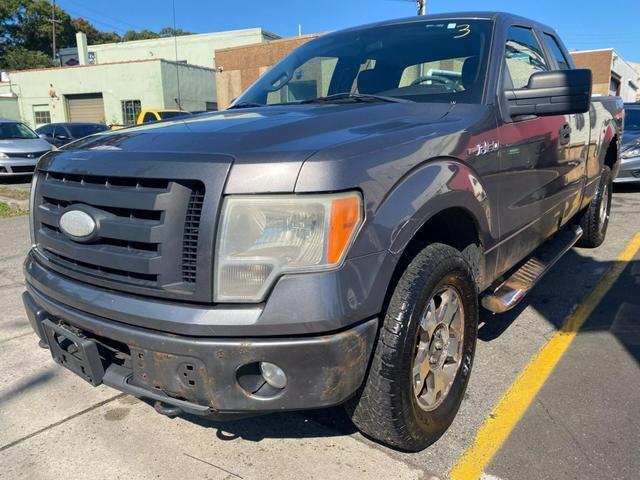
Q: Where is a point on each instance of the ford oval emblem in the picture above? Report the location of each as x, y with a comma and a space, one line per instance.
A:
77, 224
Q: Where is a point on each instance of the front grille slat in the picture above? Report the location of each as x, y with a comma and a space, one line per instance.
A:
148, 230
122, 228
106, 196
102, 255
33, 155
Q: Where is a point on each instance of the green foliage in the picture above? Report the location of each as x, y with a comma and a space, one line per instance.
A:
21, 58
141, 35
173, 32
94, 36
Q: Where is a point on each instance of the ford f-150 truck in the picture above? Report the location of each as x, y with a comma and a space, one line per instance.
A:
330, 237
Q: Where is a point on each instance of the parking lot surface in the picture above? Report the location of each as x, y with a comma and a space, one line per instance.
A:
583, 423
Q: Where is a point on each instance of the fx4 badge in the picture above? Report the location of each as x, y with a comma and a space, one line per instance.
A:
483, 148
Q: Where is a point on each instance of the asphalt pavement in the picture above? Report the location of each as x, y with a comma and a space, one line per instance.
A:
584, 423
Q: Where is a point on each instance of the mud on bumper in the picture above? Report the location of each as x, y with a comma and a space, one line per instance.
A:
205, 376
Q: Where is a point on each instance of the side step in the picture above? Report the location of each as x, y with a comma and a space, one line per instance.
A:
514, 289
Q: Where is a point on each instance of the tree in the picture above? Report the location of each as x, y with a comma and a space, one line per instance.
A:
141, 35
171, 32
21, 59
27, 24
94, 36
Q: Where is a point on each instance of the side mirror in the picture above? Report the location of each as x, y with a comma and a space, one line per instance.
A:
560, 92
42, 136
61, 137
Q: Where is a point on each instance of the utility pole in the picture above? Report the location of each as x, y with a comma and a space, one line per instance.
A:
53, 30
422, 7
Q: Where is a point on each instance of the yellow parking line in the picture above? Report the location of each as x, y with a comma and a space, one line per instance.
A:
509, 410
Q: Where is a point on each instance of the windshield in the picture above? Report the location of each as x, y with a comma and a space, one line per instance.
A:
632, 119
16, 130
165, 115
79, 131
425, 61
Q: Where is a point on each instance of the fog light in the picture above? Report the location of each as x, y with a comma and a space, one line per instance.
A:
273, 375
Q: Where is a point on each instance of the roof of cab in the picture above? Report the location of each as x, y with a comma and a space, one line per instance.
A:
477, 15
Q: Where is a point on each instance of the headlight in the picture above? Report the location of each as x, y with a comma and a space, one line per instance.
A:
3, 156
262, 237
630, 153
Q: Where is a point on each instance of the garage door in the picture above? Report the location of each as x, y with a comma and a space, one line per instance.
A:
87, 107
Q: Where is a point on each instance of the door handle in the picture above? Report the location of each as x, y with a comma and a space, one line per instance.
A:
565, 134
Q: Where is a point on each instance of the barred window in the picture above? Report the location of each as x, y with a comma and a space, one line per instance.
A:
42, 117
130, 111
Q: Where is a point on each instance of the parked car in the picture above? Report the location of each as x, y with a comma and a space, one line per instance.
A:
20, 148
630, 167
326, 240
60, 134
149, 116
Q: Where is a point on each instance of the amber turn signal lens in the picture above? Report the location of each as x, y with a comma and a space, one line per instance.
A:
345, 216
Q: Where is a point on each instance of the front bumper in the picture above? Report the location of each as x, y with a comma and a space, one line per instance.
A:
17, 166
629, 170
215, 376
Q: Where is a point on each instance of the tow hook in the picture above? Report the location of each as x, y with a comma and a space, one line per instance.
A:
168, 410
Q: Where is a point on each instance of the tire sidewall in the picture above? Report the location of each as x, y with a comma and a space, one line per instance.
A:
455, 273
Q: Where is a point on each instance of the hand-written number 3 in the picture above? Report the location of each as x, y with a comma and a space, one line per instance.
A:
463, 30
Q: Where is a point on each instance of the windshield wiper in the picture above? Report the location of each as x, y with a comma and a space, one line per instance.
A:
355, 97
246, 105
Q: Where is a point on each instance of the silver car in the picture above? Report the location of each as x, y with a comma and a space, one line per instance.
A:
630, 150
20, 148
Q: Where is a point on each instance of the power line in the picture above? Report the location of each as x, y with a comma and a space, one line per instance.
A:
84, 7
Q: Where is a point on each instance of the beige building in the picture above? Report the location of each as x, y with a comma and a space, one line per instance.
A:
239, 67
612, 75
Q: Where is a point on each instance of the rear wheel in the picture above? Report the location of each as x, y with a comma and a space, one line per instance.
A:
424, 353
595, 219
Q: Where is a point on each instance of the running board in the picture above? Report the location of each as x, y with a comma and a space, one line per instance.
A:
514, 289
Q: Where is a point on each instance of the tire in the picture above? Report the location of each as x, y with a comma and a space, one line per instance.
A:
388, 407
594, 221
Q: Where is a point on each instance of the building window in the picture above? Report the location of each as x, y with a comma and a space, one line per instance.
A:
211, 106
130, 111
41, 115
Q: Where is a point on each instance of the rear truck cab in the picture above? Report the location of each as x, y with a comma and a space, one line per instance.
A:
327, 239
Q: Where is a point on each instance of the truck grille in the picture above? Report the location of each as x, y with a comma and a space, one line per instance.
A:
148, 230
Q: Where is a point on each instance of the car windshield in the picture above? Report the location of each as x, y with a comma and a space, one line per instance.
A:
632, 119
16, 130
79, 131
421, 61
165, 115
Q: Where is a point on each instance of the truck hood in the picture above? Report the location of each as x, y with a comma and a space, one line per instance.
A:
279, 138
303, 128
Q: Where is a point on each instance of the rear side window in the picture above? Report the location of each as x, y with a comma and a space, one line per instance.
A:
523, 56
563, 64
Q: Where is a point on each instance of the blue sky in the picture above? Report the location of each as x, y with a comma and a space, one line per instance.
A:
583, 24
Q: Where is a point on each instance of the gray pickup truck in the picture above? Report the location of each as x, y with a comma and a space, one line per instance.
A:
329, 238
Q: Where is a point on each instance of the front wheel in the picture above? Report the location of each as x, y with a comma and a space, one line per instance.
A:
423, 357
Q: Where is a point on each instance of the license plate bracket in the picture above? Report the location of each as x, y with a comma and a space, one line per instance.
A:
80, 355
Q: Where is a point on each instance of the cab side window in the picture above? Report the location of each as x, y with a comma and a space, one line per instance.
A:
554, 47
523, 56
